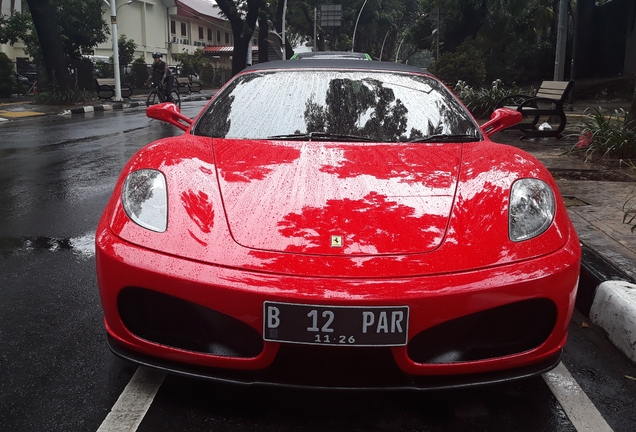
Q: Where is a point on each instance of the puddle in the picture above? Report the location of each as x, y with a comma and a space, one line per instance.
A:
83, 247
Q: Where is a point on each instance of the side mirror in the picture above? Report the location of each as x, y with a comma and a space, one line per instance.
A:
501, 118
170, 113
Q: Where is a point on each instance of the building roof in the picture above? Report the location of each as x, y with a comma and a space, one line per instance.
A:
202, 9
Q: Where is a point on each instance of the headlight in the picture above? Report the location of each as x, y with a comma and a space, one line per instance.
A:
145, 199
531, 209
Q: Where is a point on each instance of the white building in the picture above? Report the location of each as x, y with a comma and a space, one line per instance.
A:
166, 26
169, 27
8, 7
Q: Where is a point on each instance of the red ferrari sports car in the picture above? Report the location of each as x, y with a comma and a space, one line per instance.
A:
337, 224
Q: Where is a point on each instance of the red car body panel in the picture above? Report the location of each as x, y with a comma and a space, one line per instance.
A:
470, 271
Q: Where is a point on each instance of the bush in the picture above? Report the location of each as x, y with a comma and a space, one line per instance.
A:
7, 82
482, 101
466, 64
611, 136
139, 71
85, 75
54, 96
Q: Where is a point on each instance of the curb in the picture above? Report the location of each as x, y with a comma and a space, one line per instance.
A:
607, 296
614, 310
103, 107
123, 105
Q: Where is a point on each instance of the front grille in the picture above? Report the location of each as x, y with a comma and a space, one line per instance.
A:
497, 332
178, 323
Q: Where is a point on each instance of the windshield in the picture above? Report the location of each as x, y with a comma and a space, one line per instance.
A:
324, 104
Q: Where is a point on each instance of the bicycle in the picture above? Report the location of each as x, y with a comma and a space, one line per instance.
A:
157, 95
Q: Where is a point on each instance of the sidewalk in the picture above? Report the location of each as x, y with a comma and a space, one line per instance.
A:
16, 108
607, 289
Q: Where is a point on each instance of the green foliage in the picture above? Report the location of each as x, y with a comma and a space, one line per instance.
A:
482, 101
85, 77
629, 212
80, 22
514, 35
14, 27
139, 71
467, 64
6, 76
192, 63
606, 136
127, 49
55, 96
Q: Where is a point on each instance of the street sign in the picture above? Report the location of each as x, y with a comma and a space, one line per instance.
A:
437, 14
330, 15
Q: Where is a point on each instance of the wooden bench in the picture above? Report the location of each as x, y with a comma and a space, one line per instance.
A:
106, 88
185, 84
547, 102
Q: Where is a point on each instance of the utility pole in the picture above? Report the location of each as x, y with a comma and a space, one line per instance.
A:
562, 31
113, 21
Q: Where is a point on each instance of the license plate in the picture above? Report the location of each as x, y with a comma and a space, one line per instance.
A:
335, 325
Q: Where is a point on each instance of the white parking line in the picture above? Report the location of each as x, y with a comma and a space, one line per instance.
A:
135, 400
133, 403
578, 407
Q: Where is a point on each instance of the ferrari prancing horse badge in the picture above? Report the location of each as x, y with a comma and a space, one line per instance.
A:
336, 241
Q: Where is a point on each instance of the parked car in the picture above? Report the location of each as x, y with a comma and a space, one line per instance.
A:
29, 72
325, 55
337, 224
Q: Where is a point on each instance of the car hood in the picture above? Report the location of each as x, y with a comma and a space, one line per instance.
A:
337, 198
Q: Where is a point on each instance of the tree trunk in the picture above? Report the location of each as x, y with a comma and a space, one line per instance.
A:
242, 30
51, 44
239, 57
263, 31
632, 110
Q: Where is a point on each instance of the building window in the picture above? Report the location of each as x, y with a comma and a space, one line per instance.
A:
183, 29
200, 32
227, 38
218, 36
210, 35
173, 27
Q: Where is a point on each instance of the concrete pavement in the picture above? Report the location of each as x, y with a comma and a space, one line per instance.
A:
596, 204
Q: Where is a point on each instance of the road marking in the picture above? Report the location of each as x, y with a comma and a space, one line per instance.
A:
132, 405
18, 114
578, 407
134, 402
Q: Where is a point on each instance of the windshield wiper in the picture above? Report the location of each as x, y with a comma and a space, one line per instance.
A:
447, 138
320, 136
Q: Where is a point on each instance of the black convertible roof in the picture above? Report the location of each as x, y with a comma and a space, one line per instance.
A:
336, 64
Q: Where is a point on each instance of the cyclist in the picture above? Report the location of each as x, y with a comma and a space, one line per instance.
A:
161, 73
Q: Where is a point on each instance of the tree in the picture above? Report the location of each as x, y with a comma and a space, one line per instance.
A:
242, 15
382, 26
127, 49
263, 32
51, 45
57, 33
192, 63
513, 34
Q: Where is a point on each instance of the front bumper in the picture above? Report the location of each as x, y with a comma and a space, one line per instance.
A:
362, 371
448, 311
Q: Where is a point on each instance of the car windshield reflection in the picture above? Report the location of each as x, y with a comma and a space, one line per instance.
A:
305, 105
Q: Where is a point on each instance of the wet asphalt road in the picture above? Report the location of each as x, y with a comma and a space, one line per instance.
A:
56, 373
